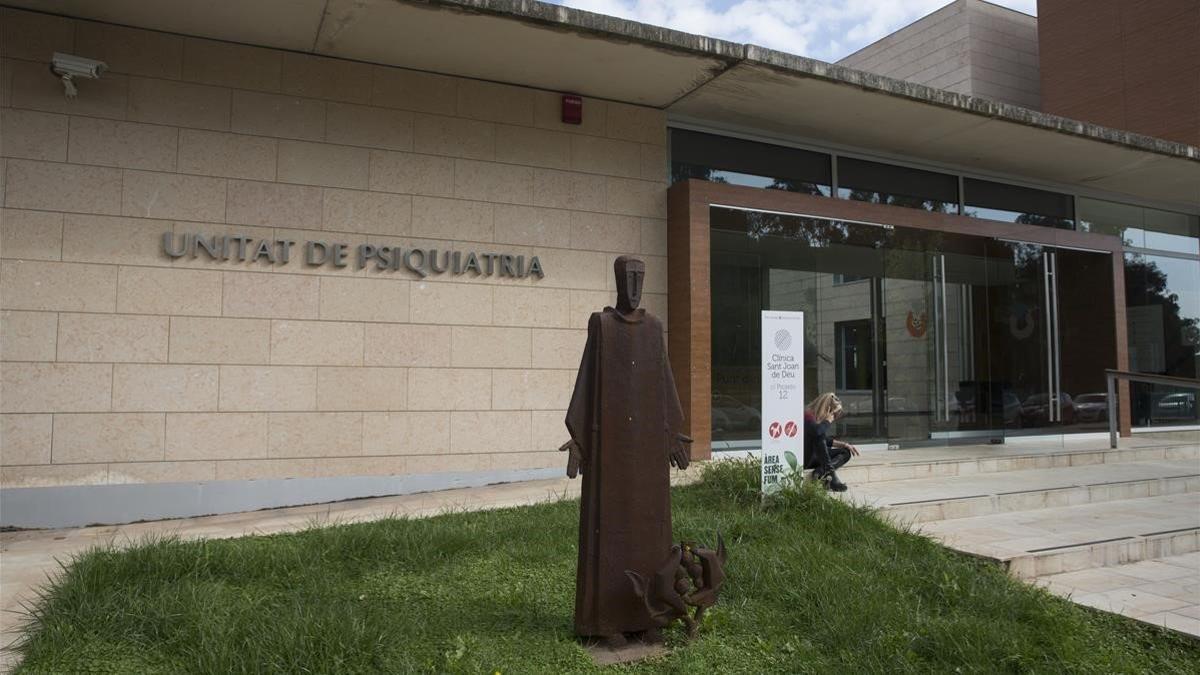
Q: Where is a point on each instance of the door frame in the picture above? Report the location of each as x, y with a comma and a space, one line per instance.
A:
689, 290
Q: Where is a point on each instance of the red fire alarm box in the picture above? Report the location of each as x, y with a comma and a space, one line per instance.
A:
572, 109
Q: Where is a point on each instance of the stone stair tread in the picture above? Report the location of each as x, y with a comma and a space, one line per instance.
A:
922, 490
1014, 449
883, 467
1004, 536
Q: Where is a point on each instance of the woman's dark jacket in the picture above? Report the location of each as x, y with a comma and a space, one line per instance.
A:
817, 442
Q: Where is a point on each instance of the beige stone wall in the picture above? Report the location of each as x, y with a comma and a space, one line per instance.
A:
933, 50
968, 47
122, 365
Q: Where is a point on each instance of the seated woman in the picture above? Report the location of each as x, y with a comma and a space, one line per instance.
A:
822, 453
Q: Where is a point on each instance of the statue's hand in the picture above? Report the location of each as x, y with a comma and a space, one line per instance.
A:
681, 451
574, 457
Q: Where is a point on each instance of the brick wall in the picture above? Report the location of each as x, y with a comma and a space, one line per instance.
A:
1127, 65
123, 365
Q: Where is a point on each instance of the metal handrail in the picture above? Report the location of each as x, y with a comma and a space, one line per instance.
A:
1111, 376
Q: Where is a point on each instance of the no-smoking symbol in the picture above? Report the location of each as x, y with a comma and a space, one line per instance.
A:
790, 429
774, 430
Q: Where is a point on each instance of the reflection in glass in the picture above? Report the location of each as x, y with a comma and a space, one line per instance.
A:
722, 159
1052, 333
855, 369
1086, 315
928, 337
878, 183
685, 171
869, 303
773, 261
1162, 296
1017, 204
1121, 220
1170, 231
1141, 227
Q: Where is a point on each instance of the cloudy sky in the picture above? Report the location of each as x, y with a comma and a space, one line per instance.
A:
822, 29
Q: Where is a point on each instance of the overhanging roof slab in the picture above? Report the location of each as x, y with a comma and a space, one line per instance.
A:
286, 24
713, 81
810, 107
492, 46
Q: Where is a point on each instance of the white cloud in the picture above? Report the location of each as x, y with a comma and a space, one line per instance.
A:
821, 29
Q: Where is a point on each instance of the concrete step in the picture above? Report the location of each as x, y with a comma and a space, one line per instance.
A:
965, 496
970, 460
1068, 538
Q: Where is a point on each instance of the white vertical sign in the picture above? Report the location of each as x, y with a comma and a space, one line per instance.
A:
782, 398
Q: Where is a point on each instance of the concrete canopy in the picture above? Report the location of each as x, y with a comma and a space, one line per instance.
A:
791, 97
527, 43
703, 79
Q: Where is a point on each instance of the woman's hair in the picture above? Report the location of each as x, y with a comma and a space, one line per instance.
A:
826, 406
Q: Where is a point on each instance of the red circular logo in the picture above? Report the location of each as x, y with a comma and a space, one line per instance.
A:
790, 428
774, 430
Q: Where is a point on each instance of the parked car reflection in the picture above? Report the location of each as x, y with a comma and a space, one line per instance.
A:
1035, 410
970, 415
1091, 407
1180, 405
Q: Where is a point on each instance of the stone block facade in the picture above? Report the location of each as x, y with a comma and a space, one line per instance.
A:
969, 47
121, 364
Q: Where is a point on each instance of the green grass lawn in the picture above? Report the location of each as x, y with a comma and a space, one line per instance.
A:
814, 586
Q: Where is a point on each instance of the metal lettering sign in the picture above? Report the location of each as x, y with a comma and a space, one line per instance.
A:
782, 399
420, 261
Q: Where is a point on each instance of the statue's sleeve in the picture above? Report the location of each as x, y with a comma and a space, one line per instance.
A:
581, 414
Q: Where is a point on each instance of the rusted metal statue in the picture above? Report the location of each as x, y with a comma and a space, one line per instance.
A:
691, 577
625, 424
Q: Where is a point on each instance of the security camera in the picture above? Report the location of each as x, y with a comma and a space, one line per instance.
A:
69, 67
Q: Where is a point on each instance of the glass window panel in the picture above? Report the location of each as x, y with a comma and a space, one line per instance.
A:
773, 261
879, 183
740, 162
1122, 220
1141, 227
1172, 231
1163, 316
1017, 204
1157, 405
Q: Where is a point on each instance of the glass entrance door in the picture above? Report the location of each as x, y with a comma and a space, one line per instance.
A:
1024, 354
912, 397
935, 303
1049, 354
1086, 326
967, 406
927, 337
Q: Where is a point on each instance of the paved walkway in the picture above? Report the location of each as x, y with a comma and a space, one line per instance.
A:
1162, 591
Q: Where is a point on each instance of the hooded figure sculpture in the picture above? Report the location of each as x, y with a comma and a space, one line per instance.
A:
625, 422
